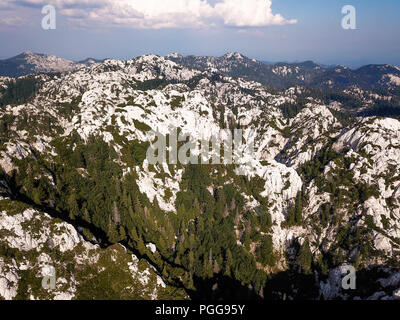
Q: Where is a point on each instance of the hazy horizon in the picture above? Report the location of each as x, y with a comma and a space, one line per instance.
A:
354, 66
273, 31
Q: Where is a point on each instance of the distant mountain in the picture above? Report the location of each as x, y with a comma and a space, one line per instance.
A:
284, 75
90, 61
281, 75
33, 63
268, 62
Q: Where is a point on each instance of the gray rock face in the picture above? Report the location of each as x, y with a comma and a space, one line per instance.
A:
340, 180
33, 63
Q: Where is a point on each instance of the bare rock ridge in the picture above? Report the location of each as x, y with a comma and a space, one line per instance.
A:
33, 63
321, 191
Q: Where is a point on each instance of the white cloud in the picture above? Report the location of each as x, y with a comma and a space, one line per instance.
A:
157, 14
59, 3
253, 13
12, 21
153, 14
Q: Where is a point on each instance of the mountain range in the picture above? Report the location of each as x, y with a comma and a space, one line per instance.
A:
320, 193
33, 63
274, 75
308, 73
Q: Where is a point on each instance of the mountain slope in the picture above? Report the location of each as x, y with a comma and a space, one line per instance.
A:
32, 63
318, 193
284, 75
32, 243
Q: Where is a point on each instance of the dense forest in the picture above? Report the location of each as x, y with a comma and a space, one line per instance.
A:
198, 243
19, 91
85, 186
213, 234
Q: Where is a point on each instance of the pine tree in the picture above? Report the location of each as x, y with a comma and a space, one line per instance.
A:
265, 220
181, 211
39, 194
291, 216
73, 206
86, 215
299, 209
122, 233
207, 268
220, 203
228, 263
191, 260
246, 240
304, 258
112, 232
295, 212
190, 283
265, 252
138, 207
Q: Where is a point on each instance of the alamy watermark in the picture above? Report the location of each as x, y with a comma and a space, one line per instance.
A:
184, 148
49, 278
349, 280
349, 21
49, 20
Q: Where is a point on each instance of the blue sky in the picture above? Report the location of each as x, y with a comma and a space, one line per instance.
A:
281, 30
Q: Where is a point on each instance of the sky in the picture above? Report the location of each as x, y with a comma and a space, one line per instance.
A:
268, 30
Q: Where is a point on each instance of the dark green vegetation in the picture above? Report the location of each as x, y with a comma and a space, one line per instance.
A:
213, 238
327, 83
19, 91
85, 186
285, 75
199, 244
351, 104
345, 193
109, 278
152, 84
